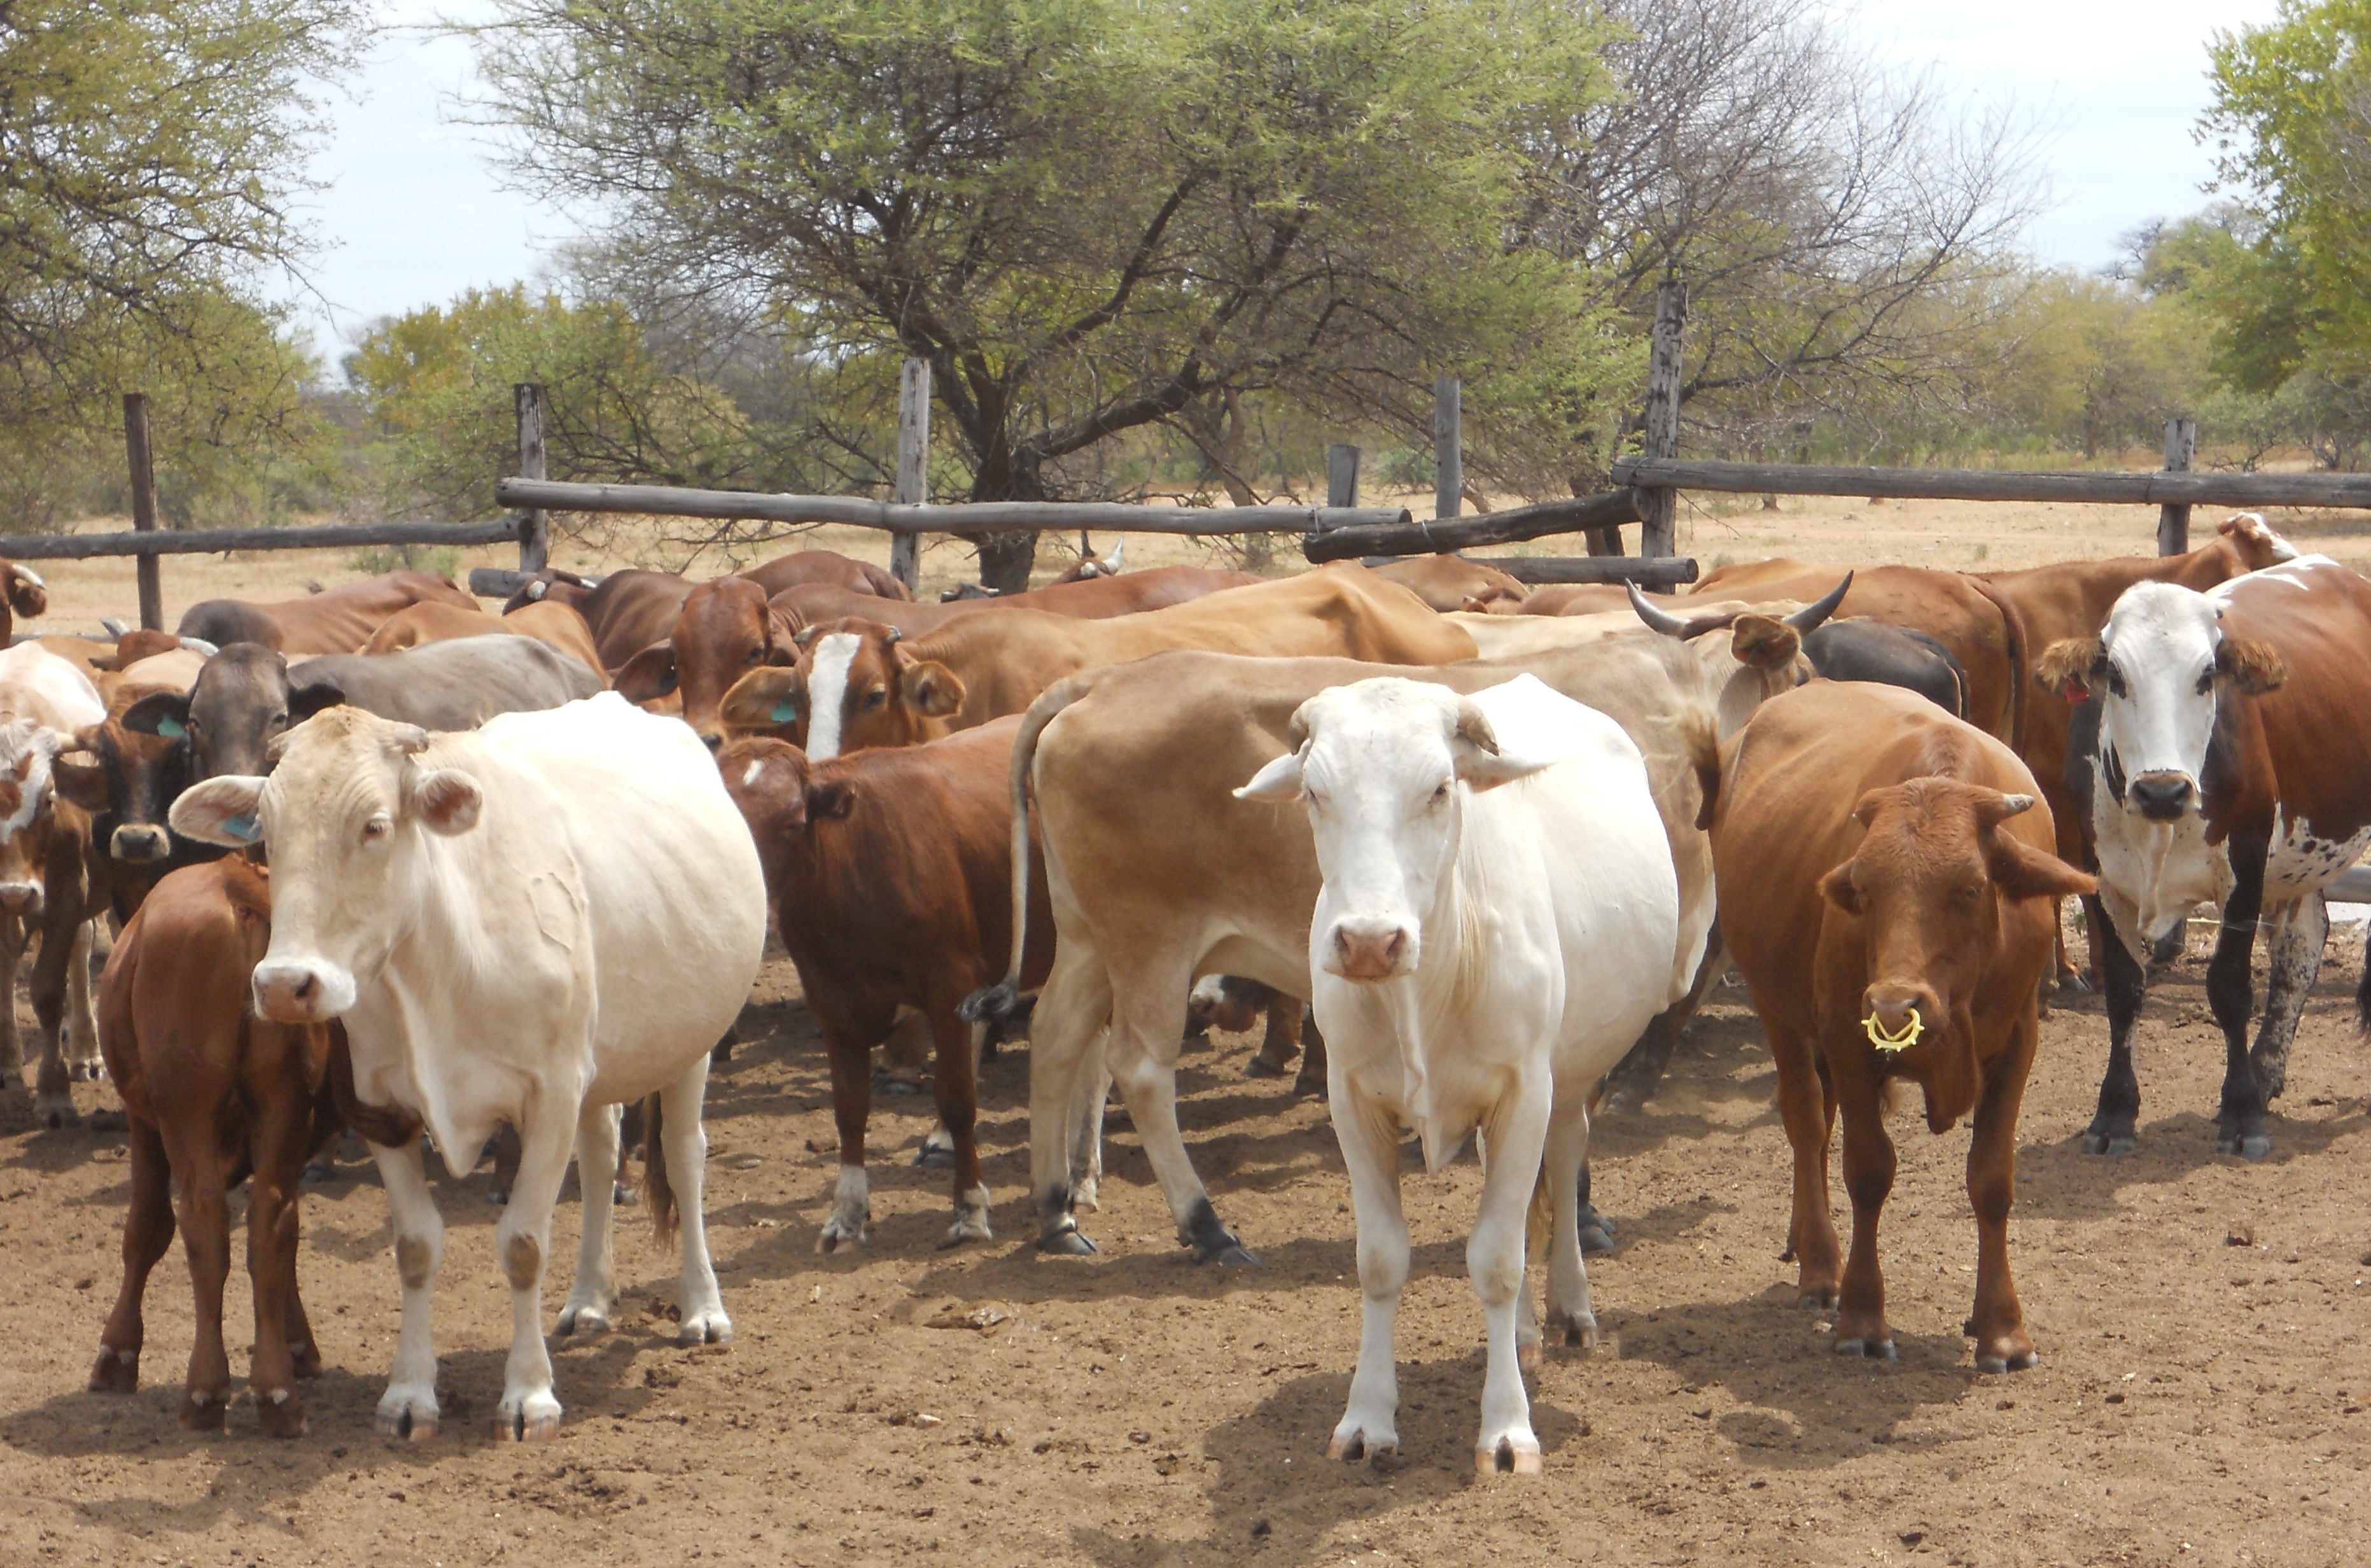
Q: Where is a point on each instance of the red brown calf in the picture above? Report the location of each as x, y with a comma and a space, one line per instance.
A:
1889, 889
890, 873
337, 620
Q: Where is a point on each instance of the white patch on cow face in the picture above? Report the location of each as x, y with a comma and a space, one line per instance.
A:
749, 775
2157, 713
26, 749
828, 692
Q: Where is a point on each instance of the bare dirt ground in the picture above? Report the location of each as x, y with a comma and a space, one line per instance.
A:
2204, 1391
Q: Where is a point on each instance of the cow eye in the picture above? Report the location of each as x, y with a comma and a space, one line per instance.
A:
375, 829
1441, 793
2116, 682
280, 718
754, 654
876, 697
2207, 680
1967, 894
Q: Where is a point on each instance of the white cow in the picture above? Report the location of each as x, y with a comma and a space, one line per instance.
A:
529, 923
43, 701
1495, 926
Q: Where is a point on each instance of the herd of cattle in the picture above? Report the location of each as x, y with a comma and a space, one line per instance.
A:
521, 869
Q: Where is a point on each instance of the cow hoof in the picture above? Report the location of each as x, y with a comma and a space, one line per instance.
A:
535, 1419
318, 1175
1070, 1243
1228, 1250
1818, 1299
1872, 1349
407, 1420
625, 1195
2005, 1360
1508, 1457
1571, 1331
585, 1321
1261, 1068
2099, 1142
498, 1197
279, 1413
2072, 983
1527, 1357
306, 1359
934, 1156
971, 1225
1355, 1446
705, 1327
205, 1413
116, 1371
835, 1239
2252, 1147
55, 1114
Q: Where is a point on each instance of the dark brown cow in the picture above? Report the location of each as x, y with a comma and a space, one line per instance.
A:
336, 620
626, 610
212, 1094
890, 873
1889, 892
724, 630
1966, 614
830, 567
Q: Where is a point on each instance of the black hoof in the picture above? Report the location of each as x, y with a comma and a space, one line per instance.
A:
933, 1156
1596, 1238
500, 1199
2250, 1147
1067, 1244
1873, 1350
887, 1085
1261, 1068
2109, 1143
1234, 1253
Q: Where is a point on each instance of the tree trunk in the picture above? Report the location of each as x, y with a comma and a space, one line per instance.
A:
1007, 556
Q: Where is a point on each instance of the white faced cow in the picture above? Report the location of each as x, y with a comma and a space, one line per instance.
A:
1495, 926
529, 923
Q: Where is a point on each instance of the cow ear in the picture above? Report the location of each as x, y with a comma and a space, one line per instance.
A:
1865, 809
162, 713
1474, 752
2070, 666
83, 783
2019, 870
1764, 641
2249, 668
648, 675
1837, 887
781, 645
1280, 782
308, 696
765, 698
447, 800
832, 798
28, 594
220, 811
929, 688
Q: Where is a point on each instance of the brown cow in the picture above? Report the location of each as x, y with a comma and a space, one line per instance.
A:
545, 621
892, 696
786, 571
889, 872
22, 593
1974, 622
1890, 893
212, 1094
1580, 598
336, 620
627, 611
724, 630
1452, 582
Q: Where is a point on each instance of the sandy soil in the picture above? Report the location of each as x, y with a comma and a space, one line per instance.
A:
2204, 1394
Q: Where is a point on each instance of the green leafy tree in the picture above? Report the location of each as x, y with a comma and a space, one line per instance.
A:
1092, 216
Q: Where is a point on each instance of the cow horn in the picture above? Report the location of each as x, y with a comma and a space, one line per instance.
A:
116, 625
1812, 613
806, 634
1660, 620
200, 646
897, 634
1991, 814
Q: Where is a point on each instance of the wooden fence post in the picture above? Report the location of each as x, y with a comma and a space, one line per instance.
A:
1658, 506
2173, 521
913, 465
1447, 446
534, 528
136, 448
1342, 474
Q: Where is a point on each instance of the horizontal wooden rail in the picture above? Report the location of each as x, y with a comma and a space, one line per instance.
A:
1444, 534
1103, 518
214, 541
2154, 487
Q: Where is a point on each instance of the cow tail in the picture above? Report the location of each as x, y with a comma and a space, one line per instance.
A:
389, 1126
1539, 1220
658, 1192
998, 1003
1703, 756
2013, 628
2362, 995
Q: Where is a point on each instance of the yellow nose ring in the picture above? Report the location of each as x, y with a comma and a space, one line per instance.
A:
1901, 1042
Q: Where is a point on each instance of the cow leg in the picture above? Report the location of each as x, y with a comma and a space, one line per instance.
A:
12, 1047
1999, 1321
852, 1109
1368, 1134
593, 1298
1071, 1011
2115, 1126
147, 1233
956, 1085
1569, 1321
1634, 1079
53, 1088
2299, 933
1281, 1044
529, 1412
282, 1119
81, 1026
1091, 1092
1868, 1178
408, 1407
205, 1239
700, 1304
1494, 1258
1807, 1110
1146, 1025
2232, 995
1313, 1055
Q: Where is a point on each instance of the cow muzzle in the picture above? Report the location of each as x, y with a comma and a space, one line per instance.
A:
712, 738
139, 844
2162, 797
21, 898
1370, 948
302, 990
1897, 1015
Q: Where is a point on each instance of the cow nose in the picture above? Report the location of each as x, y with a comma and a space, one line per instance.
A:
138, 844
20, 898
2161, 796
1896, 1010
1373, 948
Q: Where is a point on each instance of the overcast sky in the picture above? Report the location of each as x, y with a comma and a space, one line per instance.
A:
413, 213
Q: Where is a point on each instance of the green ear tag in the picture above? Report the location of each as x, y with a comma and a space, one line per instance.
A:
786, 713
241, 827
170, 729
